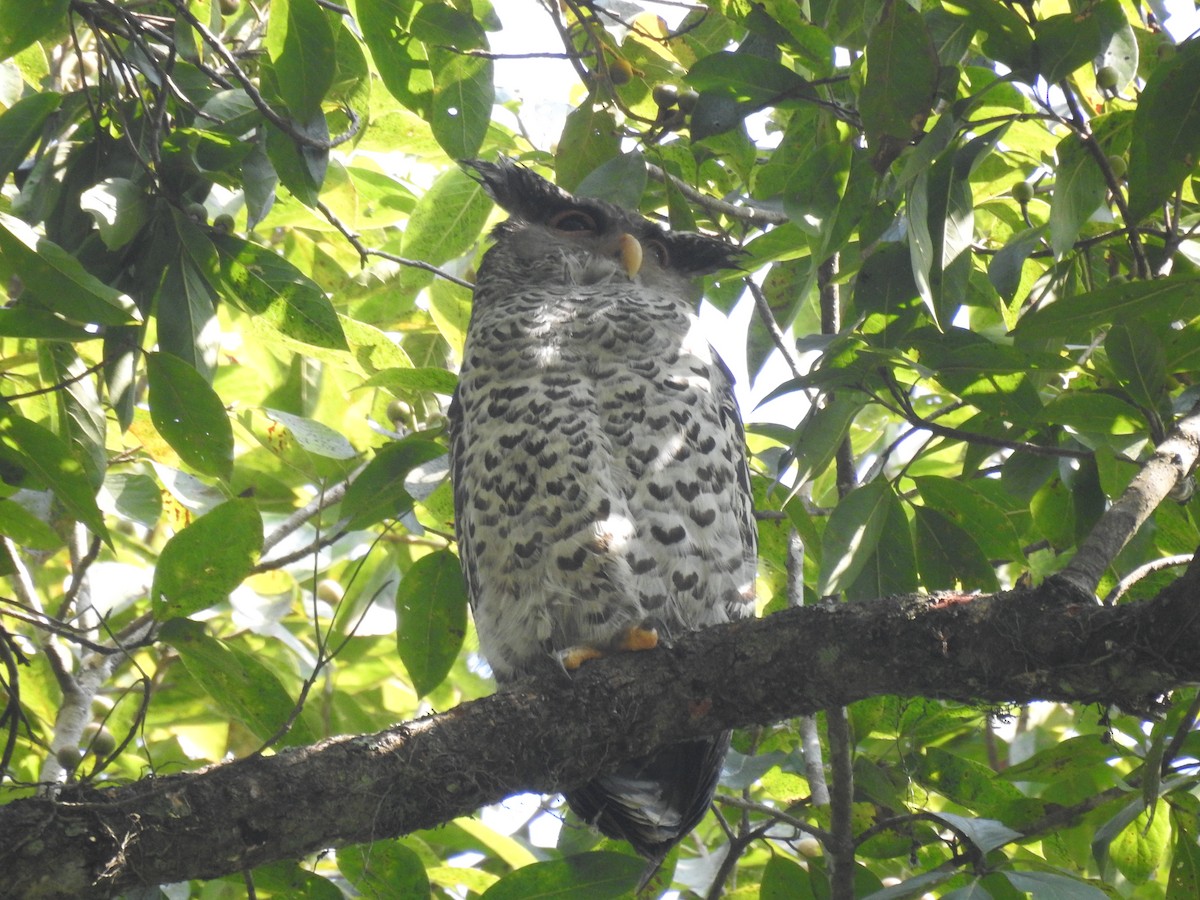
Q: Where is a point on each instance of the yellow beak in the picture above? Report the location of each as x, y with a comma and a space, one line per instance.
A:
630, 252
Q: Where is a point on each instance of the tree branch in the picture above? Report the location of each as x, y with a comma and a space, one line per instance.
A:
1049, 643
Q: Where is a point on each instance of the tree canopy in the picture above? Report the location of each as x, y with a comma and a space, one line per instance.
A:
238, 251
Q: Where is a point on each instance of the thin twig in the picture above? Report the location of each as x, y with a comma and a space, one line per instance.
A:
1142, 571
1171, 463
714, 205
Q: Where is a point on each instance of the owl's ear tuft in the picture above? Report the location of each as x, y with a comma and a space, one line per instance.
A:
699, 254
517, 190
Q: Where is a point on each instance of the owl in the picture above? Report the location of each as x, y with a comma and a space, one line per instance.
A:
601, 492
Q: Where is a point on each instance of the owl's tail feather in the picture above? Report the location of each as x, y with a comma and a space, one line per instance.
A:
654, 801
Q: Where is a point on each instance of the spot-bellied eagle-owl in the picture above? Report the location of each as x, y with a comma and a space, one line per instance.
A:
601, 494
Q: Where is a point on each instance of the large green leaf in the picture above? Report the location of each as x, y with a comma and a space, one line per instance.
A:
57, 280
444, 224
21, 124
902, 71
279, 294
378, 493
431, 614
1161, 300
240, 685
299, 43
201, 564
400, 57
587, 876
189, 415
24, 21
384, 869
852, 535
948, 555
49, 458
1166, 132
1079, 189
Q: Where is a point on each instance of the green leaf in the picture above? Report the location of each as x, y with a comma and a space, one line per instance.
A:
784, 879
201, 564
821, 433
399, 56
586, 876
314, 436
41, 324
1053, 886
187, 316
1004, 270
24, 21
463, 94
402, 381
589, 139
445, 224
621, 180
892, 568
189, 415
1184, 883
49, 457
1139, 359
948, 554
237, 682
1093, 413
902, 70
748, 78
853, 534
1141, 847
25, 529
1079, 189
299, 43
131, 496
431, 613
300, 168
1162, 300
1008, 39
1064, 42
57, 280
1166, 132
274, 290
378, 492
120, 209
384, 869
21, 124
985, 521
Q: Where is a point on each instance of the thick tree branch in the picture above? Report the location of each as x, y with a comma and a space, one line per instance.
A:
1050, 643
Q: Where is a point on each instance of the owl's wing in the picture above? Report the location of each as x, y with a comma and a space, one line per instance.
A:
466, 550
743, 499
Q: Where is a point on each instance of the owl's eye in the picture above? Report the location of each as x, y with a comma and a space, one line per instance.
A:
573, 220
659, 250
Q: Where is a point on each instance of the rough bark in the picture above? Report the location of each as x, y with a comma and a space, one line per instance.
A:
1050, 643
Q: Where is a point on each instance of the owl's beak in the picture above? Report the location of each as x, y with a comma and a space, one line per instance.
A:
630, 252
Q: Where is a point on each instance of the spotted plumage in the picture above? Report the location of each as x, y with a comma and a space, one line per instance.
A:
601, 492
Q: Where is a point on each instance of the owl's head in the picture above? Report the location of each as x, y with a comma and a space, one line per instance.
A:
553, 235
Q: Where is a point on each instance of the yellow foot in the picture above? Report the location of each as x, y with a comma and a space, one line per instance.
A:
574, 657
639, 638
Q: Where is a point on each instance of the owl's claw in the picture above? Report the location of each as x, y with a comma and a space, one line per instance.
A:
574, 657
635, 637
639, 638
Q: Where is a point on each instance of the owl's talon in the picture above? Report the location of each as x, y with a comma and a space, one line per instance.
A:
639, 638
574, 657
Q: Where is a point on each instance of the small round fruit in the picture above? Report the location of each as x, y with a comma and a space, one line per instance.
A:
1118, 166
223, 223
400, 411
1119, 278
69, 758
1107, 78
329, 590
1022, 192
687, 100
229, 7
620, 71
197, 212
808, 846
665, 95
99, 740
